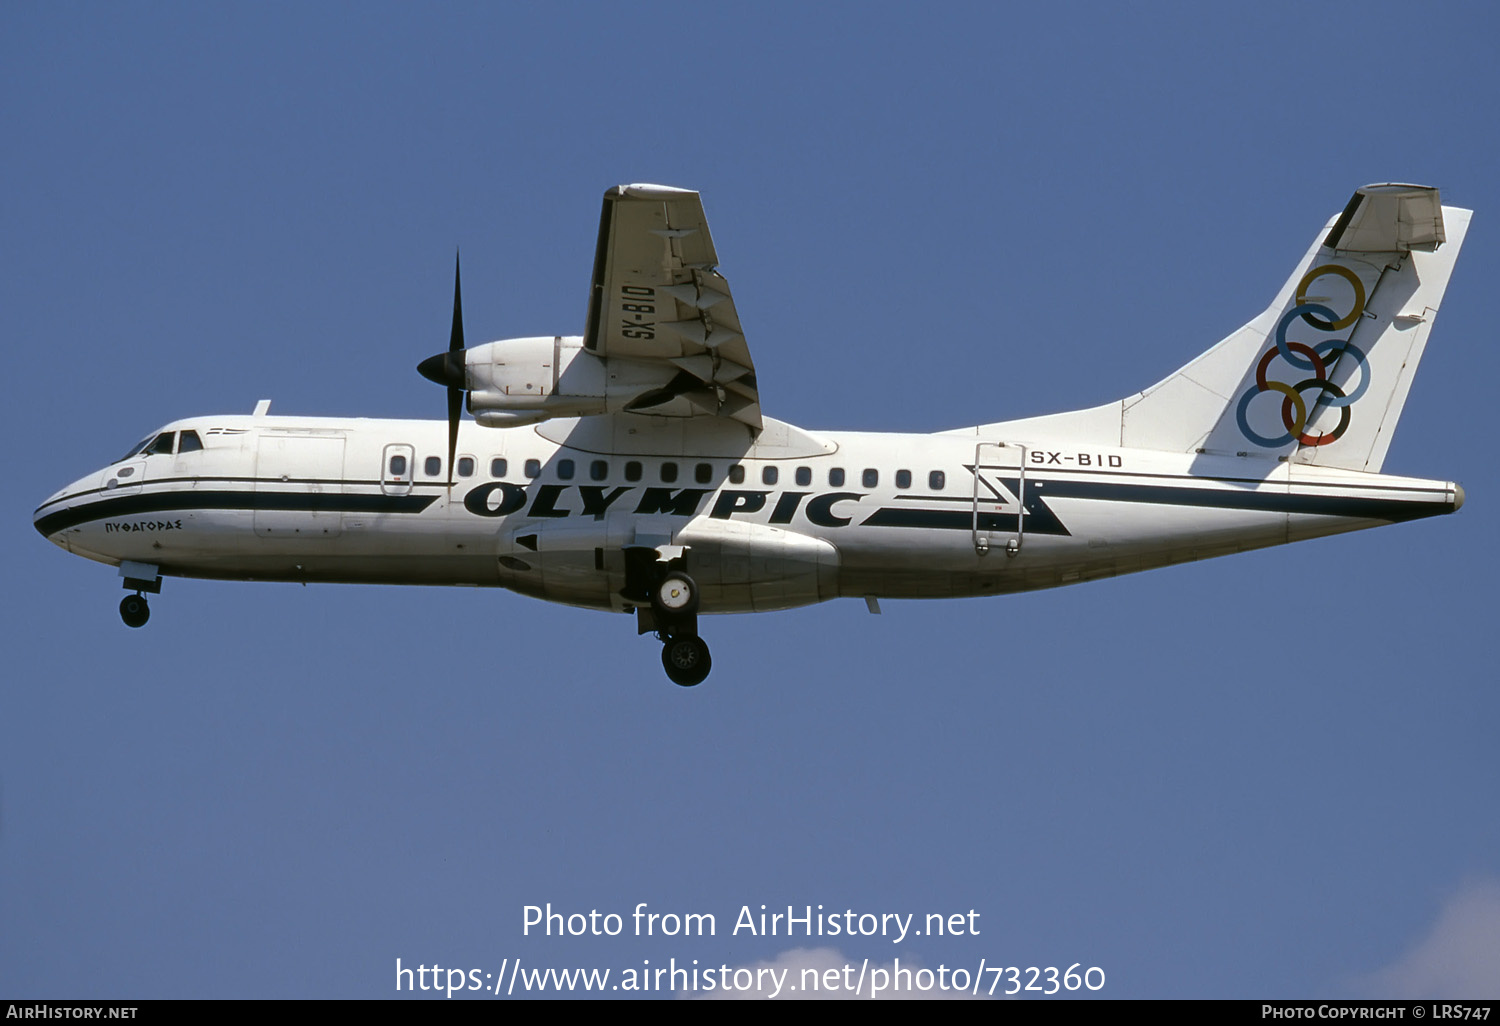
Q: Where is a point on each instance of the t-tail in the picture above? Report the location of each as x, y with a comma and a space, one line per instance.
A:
1322, 374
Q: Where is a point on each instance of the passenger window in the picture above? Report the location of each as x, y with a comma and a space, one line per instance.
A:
466, 466
163, 444
565, 470
432, 466
936, 480
903, 479
633, 470
769, 475
703, 473
871, 478
398, 466
190, 442
737, 474
498, 467
804, 476
836, 477
598, 470
533, 468
668, 472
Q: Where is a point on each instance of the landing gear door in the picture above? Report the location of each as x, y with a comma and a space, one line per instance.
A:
999, 490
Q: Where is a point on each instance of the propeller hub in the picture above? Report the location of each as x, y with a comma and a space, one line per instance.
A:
444, 369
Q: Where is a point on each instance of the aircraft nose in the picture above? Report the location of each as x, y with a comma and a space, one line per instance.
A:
50, 515
42, 518
1458, 497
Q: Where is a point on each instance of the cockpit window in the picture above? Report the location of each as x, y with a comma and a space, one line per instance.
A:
163, 444
137, 448
189, 442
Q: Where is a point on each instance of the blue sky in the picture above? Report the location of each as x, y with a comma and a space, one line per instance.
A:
1273, 774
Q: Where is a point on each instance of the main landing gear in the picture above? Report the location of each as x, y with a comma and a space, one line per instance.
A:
675, 597
668, 607
686, 659
674, 606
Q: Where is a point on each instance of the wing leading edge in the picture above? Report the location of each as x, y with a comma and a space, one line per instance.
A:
657, 295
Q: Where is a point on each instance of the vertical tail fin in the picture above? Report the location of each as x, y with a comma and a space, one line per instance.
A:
1322, 374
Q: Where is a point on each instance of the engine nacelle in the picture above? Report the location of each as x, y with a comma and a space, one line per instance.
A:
525, 380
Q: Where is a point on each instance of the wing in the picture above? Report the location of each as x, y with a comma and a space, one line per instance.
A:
657, 296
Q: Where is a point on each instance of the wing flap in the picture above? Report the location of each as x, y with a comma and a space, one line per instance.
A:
657, 295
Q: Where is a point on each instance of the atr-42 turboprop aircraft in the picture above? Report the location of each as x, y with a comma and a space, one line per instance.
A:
631, 469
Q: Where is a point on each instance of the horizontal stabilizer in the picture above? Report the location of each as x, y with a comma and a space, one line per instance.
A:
1389, 219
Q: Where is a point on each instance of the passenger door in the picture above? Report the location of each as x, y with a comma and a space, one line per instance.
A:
999, 492
397, 467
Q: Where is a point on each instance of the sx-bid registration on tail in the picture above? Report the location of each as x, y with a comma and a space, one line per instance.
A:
631, 469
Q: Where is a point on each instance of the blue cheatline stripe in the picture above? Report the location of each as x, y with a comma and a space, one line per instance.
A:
163, 502
1369, 508
1040, 518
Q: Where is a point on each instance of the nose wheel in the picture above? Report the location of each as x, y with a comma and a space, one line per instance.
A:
134, 610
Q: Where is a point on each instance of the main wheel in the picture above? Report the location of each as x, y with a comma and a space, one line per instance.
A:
134, 610
676, 597
686, 660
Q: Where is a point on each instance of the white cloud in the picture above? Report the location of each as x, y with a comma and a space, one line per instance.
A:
1459, 958
826, 974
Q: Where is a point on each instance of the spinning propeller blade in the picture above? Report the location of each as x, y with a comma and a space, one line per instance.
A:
448, 369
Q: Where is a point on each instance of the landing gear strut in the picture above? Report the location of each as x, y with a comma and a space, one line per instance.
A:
134, 610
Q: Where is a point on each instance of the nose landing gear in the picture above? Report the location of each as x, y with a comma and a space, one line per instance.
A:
139, 578
134, 610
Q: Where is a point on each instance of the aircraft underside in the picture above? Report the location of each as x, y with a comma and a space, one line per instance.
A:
574, 577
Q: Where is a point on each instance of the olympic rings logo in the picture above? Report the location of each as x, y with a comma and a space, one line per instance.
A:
1318, 359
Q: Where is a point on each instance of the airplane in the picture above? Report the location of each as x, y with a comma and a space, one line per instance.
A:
631, 469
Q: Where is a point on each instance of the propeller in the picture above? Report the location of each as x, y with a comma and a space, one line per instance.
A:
448, 369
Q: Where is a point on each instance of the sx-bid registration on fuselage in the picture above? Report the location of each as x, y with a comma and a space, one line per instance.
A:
631, 469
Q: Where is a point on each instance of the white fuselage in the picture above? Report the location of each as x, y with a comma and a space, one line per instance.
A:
791, 519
